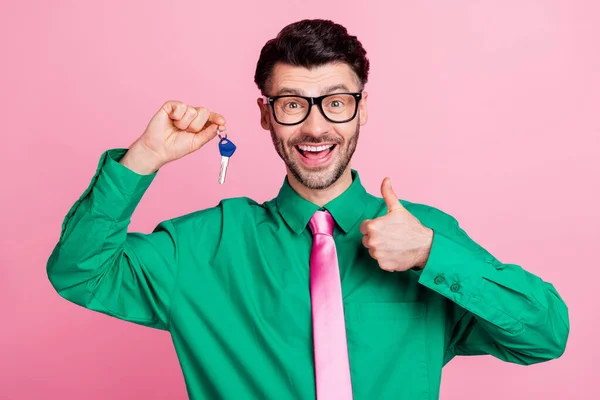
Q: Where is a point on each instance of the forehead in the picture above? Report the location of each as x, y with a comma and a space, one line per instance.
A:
314, 81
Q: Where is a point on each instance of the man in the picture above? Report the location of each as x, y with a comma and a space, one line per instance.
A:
324, 291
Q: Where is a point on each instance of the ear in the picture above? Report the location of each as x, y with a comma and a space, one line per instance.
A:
362, 109
265, 117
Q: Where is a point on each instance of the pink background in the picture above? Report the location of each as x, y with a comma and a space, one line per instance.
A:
487, 110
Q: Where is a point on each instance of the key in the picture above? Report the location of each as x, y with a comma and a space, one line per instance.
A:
226, 148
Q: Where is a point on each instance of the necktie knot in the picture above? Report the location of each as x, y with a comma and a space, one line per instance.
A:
321, 223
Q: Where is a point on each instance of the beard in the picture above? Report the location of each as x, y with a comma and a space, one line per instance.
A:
321, 177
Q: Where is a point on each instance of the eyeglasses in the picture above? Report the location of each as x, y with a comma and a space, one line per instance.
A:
292, 110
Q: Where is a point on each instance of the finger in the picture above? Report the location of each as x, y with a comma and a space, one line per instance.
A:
365, 241
364, 227
205, 136
373, 254
186, 120
199, 122
216, 119
174, 109
391, 200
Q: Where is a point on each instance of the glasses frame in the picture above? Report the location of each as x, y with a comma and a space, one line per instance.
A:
318, 101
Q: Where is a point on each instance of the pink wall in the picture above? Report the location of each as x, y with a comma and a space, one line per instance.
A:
487, 110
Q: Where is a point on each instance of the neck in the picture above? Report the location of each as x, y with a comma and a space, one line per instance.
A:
324, 196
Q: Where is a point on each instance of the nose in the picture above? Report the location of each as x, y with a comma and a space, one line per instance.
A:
315, 124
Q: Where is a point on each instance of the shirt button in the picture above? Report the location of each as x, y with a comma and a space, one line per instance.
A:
455, 287
438, 280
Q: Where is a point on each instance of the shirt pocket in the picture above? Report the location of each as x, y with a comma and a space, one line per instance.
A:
387, 344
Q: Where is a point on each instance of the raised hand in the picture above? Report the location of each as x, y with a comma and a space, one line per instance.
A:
176, 130
397, 240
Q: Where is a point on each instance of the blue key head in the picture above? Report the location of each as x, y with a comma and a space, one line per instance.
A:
226, 147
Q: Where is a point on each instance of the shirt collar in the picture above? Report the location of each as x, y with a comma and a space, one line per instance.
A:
346, 209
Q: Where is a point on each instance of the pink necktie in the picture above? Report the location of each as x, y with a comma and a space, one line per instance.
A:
332, 369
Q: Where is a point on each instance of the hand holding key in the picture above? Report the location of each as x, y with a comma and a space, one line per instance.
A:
176, 130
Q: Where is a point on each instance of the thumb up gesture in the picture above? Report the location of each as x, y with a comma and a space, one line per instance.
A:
397, 240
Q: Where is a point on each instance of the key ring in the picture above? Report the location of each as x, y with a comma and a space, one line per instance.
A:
219, 133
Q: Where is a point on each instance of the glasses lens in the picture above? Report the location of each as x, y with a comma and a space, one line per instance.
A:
290, 110
337, 107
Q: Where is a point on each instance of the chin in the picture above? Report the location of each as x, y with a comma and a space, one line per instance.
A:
319, 178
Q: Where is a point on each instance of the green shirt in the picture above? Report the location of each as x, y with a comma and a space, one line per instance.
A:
231, 285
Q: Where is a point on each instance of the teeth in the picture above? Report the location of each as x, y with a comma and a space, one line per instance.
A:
315, 148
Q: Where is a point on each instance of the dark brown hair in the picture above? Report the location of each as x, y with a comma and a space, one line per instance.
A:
311, 43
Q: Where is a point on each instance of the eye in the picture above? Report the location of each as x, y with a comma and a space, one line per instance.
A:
336, 104
292, 105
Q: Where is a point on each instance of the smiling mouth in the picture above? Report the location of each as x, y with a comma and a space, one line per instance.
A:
315, 152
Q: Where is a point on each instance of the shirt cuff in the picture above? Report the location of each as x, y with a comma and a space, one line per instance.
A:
117, 190
453, 270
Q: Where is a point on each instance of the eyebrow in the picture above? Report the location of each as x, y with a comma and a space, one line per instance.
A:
297, 92
284, 91
336, 88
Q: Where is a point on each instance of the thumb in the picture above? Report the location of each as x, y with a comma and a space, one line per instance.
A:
391, 200
201, 138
